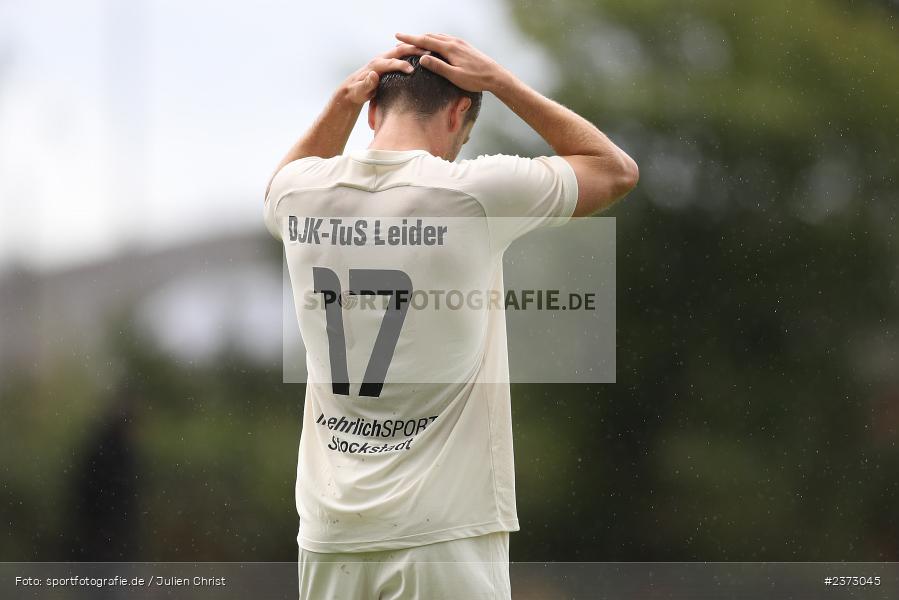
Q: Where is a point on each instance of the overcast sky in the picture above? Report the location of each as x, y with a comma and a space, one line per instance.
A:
147, 123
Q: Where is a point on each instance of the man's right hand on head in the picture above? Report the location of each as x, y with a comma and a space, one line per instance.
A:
359, 87
465, 65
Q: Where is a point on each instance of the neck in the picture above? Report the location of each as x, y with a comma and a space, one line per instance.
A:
403, 132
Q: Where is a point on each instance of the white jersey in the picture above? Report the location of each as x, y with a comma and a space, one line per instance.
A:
407, 430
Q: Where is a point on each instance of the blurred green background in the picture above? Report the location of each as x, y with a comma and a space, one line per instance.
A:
756, 411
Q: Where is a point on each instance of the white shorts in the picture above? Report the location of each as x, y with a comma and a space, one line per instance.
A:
472, 568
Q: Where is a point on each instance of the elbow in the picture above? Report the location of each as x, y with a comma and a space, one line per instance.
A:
630, 175
626, 177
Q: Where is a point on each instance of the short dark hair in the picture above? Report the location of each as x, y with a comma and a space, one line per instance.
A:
422, 91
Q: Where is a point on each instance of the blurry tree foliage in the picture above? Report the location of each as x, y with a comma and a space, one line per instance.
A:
756, 413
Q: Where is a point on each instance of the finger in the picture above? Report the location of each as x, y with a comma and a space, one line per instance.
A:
438, 66
386, 65
446, 39
403, 49
424, 41
368, 81
364, 88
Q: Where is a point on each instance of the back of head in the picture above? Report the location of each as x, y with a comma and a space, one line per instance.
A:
422, 91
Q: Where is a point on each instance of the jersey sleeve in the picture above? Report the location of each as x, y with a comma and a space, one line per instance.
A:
522, 194
289, 177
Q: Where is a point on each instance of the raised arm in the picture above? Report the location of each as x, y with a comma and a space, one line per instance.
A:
329, 133
604, 171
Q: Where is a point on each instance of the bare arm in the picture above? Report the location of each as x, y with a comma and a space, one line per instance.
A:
329, 133
604, 171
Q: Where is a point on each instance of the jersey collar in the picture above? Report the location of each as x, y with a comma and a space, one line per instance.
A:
385, 157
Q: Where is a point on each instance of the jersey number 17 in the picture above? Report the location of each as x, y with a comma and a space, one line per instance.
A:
381, 282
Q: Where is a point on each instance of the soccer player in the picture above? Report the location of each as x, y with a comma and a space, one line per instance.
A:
405, 481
